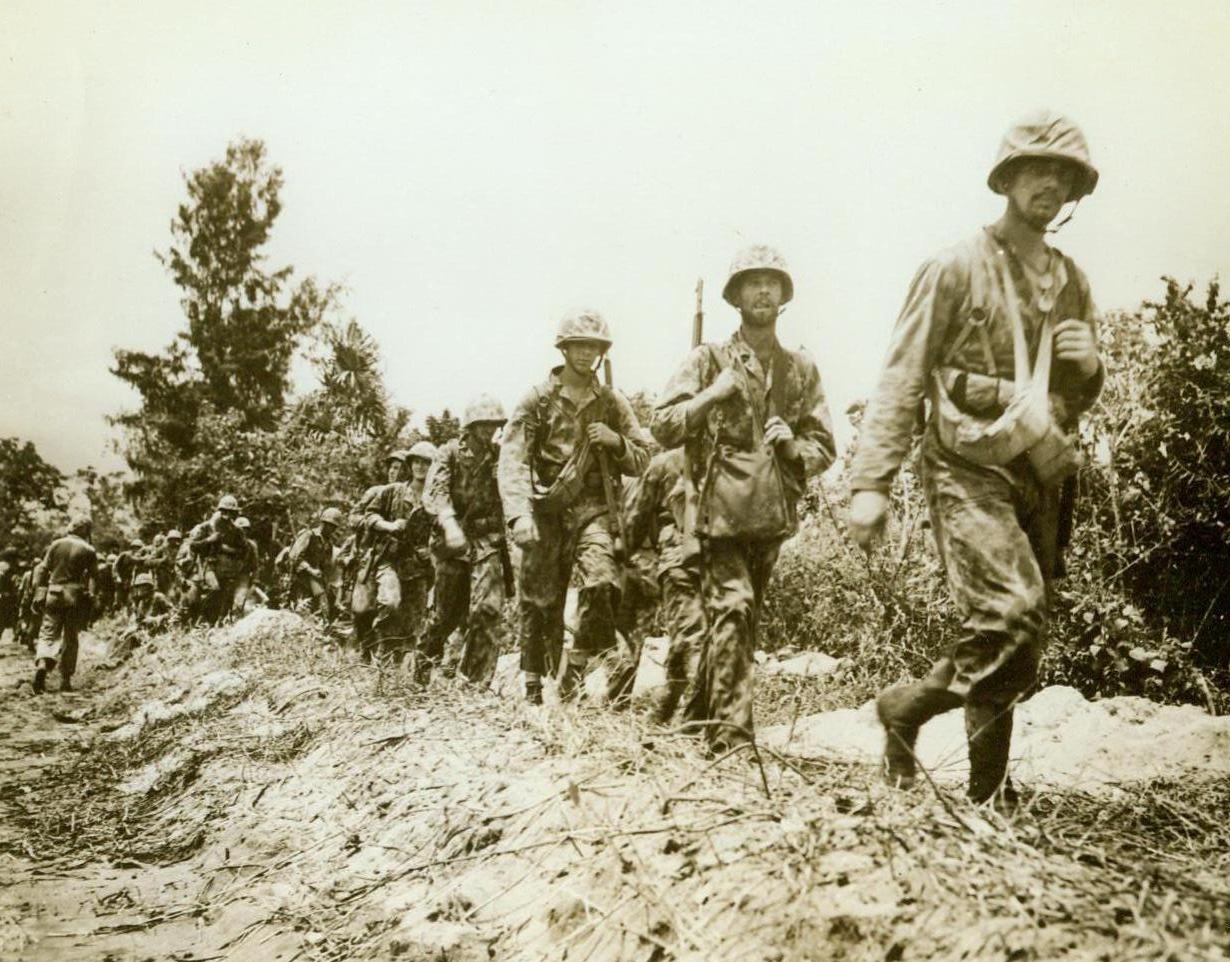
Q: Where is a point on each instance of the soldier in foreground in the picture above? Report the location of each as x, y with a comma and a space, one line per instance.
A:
980, 327
68, 576
568, 438
396, 570
471, 555
756, 424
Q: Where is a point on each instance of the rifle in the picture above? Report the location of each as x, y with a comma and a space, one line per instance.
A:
690, 500
608, 481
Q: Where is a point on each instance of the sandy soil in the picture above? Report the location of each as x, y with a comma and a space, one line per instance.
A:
255, 794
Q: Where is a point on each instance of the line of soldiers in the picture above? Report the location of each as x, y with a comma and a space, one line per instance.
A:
997, 337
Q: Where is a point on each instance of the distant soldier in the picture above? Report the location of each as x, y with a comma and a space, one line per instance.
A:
252, 568
658, 516
309, 562
396, 570
29, 615
462, 493
10, 578
756, 424
150, 612
976, 338
166, 567
68, 577
124, 568
568, 438
224, 554
104, 587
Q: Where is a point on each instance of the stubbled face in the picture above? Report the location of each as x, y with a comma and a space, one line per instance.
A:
581, 356
397, 470
760, 297
482, 433
1038, 187
418, 468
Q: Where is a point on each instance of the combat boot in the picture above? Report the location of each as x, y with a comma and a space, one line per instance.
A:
533, 688
40, 680
903, 711
664, 707
572, 678
989, 730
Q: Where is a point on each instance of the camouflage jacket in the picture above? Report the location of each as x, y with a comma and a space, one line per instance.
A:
940, 326
462, 483
655, 506
803, 406
407, 551
222, 545
310, 548
545, 430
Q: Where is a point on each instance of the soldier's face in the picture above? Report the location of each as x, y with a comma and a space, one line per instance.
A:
397, 471
581, 356
418, 468
483, 432
760, 297
329, 532
1038, 187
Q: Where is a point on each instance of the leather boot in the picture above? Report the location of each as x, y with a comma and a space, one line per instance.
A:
572, 677
903, 711
989, 729
533, 688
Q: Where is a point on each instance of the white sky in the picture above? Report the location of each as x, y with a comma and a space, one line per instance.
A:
471, 170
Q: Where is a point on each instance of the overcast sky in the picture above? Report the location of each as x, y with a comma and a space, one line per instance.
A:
472, 170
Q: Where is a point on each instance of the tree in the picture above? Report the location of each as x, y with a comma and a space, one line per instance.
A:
27, 490
442, 427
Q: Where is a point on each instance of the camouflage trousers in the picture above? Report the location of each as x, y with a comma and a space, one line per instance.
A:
400, 606
683, 617
734, 575
473, 593
66, 613
996, 530
581, 539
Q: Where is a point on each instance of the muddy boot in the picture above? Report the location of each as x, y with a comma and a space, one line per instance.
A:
40, 680
989, 729
903, 711
533, 688
572, 679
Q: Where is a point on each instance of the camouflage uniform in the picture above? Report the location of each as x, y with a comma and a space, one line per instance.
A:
225, 555
540, 439
469, 587
735, 572
397, 567
309, 565
997, 529
68, 574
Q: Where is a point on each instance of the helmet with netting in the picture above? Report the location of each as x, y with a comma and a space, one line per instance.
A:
758, 257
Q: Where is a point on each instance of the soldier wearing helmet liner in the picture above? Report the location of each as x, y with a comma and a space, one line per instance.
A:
67, 574
310, 561
747, 399
552, 489
462, 493
223, 551
977, 319
396, 569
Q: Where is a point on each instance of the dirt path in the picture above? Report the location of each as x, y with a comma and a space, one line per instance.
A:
255, 794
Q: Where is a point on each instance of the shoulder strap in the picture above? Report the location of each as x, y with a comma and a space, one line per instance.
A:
777, 390
981, 307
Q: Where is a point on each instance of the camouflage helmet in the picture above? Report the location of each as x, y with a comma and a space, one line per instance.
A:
136, 544
228, 503
144, 578
175, 535
399, 455
331, 516
80, 525
1044, 133
758, 257
485, 407
242, 523
422, 449
583, 325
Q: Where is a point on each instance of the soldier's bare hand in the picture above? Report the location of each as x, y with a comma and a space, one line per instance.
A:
603, 436
778, 433
724, 385
525, 532
868, 513
454, 537
1074, 342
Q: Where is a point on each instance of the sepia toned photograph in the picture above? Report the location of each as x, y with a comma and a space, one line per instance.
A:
563, 481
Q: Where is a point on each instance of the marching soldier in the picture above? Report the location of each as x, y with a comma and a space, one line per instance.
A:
10, 578
990, 327
756, 424
223, 552
123, 569
568, 439
462, 493
310, 564
396, 571
68, 576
